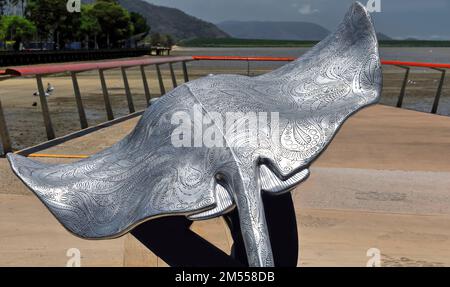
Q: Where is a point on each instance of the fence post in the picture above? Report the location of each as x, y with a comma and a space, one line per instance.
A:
148, 96
172, 74
185, 72
44, 107
127, 90
160, 80
4, 135
403, 90
81, 112
108, 108
439, 91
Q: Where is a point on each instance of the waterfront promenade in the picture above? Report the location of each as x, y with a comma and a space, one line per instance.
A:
383, 183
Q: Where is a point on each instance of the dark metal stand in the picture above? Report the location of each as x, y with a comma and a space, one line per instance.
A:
171, 239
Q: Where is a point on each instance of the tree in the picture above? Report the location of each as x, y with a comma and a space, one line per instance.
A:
169, 41
104, 21
139, 23
166, 40
89, 27
17, 29
114, 21
53, 21
155, 39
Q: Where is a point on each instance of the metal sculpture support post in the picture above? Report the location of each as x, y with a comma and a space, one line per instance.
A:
170, 166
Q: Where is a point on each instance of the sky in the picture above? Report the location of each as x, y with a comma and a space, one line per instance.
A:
421, 19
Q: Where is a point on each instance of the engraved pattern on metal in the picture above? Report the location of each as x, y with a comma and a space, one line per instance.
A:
144, 176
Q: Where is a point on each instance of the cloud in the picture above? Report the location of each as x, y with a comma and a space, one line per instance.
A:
306, 9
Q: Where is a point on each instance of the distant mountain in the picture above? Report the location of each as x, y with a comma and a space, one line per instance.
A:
274, 30
383, 37
279, 30
172, 21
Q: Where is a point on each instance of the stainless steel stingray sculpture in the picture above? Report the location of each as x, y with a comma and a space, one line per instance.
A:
145, 176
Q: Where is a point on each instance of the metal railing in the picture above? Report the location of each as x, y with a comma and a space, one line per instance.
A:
45, 70
39, 71
442, 68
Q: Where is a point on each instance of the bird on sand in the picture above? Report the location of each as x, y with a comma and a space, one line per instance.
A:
48, 92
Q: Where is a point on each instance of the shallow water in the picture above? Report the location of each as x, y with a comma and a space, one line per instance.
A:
434, 55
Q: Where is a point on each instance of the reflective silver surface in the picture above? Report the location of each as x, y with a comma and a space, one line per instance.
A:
145, 176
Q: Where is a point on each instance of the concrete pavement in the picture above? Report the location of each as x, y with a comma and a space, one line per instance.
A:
383, 183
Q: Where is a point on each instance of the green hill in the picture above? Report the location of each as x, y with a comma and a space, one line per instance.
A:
172, 21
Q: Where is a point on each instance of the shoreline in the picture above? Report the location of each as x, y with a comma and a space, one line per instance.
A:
262, 43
